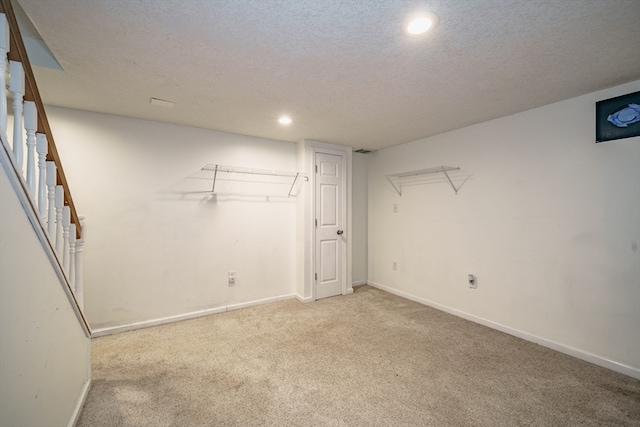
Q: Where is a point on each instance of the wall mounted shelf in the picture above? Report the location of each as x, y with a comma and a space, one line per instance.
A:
397, 179
221, 179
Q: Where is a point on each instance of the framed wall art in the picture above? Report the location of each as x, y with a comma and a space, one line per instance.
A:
618, 117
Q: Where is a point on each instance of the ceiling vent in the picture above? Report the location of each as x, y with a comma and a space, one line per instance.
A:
364, 151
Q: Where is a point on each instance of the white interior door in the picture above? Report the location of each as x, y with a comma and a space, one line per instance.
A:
329, 236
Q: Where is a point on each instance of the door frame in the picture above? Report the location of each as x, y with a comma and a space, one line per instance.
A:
307, 149
342, 219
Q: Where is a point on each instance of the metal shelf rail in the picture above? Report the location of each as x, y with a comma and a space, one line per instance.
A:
397, 179
221, 179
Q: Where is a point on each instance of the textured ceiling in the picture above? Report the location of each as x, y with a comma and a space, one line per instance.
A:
343, 70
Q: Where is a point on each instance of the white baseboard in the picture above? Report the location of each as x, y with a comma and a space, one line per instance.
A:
260, 302
358, 283
186, 316
562, 348
304, 300
77, 410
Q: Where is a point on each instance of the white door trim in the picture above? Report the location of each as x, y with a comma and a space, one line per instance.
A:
347, 224
342, 219
305, 289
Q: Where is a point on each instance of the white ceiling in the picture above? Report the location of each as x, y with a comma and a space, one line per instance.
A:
342, 69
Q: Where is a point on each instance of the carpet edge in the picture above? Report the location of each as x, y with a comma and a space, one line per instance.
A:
553, 345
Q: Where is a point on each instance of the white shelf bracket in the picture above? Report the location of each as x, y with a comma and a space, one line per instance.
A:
396, 179
451, 182
219, 179
395, 187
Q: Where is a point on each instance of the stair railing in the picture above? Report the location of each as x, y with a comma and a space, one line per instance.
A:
43, 179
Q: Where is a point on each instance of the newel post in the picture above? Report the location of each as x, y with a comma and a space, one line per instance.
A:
79, 267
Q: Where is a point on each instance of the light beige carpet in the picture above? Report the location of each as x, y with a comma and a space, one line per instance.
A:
367, 359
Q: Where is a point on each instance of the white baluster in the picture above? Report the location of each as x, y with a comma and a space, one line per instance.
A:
51, 191
59, 204
30, 124
42, 149
16, 86
66, 223
79, 267
4, 49
71, 272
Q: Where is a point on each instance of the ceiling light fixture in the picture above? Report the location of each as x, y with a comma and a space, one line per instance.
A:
422, 23
285, 120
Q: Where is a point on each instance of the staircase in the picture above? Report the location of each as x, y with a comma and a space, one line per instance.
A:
44, 335
43, 180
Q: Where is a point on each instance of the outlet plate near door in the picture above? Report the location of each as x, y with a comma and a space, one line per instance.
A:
232, 278
473, 283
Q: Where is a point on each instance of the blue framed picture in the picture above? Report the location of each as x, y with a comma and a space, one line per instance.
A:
618, 117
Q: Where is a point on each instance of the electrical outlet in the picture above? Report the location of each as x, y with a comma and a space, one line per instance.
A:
473, 284
232, 278
394, 265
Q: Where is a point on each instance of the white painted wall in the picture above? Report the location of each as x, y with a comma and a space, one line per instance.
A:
548, 221
359, 226
44, 360
149, 256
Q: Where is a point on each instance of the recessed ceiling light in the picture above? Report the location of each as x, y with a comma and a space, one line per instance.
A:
162, 103
422, 23
285, 120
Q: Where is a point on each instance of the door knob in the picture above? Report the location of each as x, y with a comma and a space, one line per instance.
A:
340, 232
